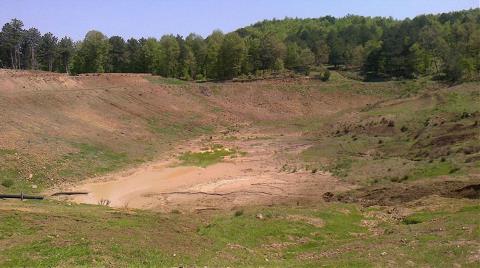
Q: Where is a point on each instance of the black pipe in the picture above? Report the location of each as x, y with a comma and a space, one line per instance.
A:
69, 193
21, 196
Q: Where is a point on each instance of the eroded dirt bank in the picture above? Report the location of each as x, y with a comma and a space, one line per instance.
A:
58, 129
265, 173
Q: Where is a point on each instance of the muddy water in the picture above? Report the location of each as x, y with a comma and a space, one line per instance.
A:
254, 179
141, 189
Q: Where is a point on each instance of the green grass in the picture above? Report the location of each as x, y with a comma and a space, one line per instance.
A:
408, 150
205, 158
12, 179
175, 130
91, 160
12, 225
49, 234
4, 152
7, 183
342, 167
85, 160
47, 254
421, 217
430, 170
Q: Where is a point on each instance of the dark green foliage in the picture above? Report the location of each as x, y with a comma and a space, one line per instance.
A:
92, 54
47, 51
238, 213
11, 39
325, 76
65, 52
446, 46
7, 183
411, 220
232, 54
117, 55
30, 48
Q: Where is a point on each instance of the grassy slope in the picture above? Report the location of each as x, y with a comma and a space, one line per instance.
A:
46, 234
434, 134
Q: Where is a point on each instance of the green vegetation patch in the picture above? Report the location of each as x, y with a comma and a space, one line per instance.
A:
4, 152
260, 236
207, 157
435, 169
91, 160
12, 225
47, 254
13, 172
423, 216
429, 135
176, 130
48, 234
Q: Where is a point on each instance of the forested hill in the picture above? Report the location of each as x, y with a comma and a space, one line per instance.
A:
446, 46
427, 44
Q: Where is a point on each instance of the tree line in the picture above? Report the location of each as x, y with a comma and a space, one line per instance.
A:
445, 45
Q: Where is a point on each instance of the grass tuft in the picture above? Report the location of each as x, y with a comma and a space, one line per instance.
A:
205, 158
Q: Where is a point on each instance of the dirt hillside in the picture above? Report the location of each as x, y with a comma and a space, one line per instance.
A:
57, 128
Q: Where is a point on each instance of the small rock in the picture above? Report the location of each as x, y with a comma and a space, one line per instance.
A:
383, 253
259, 216
34, 186
30, 176
410, 263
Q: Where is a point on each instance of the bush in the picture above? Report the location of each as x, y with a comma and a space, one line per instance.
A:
325, 76
238, 213
411, 220
7, 183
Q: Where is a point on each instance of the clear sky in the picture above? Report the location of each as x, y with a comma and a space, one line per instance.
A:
153, 18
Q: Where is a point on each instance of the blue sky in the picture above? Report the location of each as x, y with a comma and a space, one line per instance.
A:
150, 18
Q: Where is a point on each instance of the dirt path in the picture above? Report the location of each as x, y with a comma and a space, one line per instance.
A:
267, 174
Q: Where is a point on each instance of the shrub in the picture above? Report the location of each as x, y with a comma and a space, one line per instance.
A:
7, 183
453, 170
325, 76
238, 213
411, 220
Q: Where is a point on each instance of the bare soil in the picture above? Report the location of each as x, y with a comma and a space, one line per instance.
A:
401, 193
79, 132
259, 177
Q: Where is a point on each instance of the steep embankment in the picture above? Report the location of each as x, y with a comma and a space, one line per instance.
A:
405, 149
57, 128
